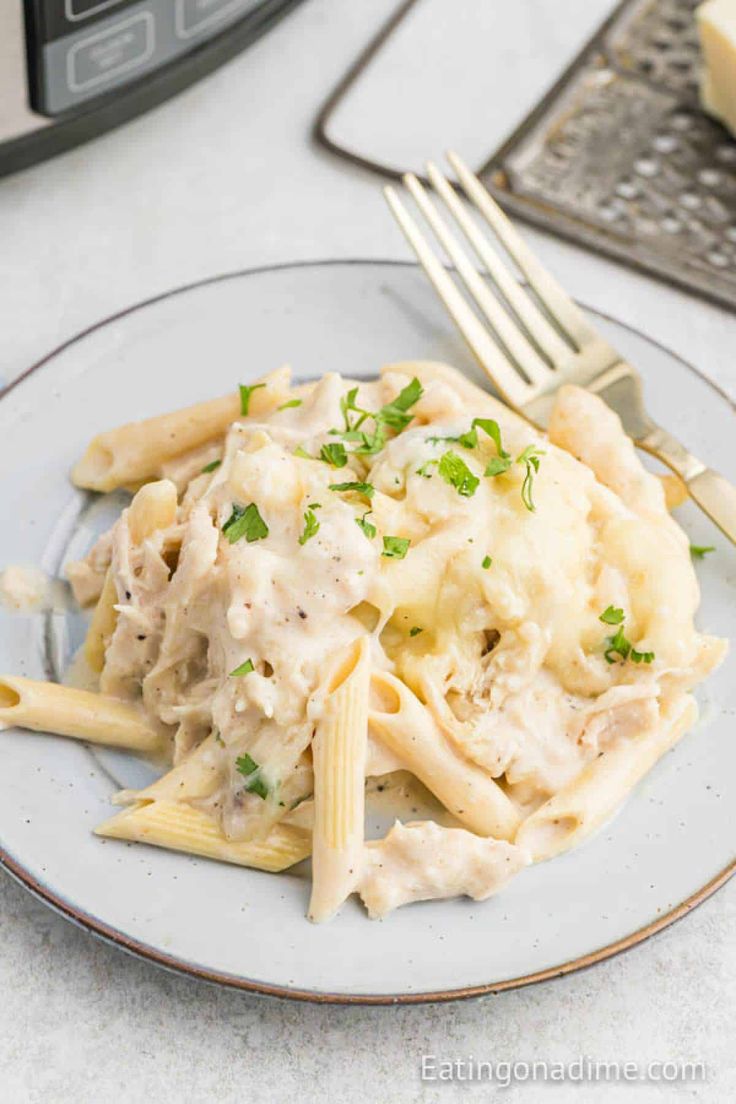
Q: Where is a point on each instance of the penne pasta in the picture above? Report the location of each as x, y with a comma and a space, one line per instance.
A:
197, 777
102, 624
577, 811
180, 827
317, 585
339, 757
403, 723
49, 707
136, 451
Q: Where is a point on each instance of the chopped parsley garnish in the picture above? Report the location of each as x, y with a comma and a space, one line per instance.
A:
641, 657
456, 472
243, 669
301, 451
254, 781
492, 428
486, 563
334, 454
311, 525
212, 466
700, 551
619, 645
497, 465
289, 404
245, 394
395, 548
394, 414
415, 631
245, 521
530, 457
468, 440
366, 489
612, 616
366, 526
369, 443
348, 406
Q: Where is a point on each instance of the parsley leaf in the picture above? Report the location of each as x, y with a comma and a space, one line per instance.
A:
468, 440
612, 616
456, 472
366, 489
213, 464
311, 525
492, 428
334, 453
395, 548
424, 470
394, 414
700, 551
301, 451
486, 563
243, 669
245, 522
497, 465
348, 405
369, 529
254, 781
288, 405
618, 644
245, 394
415, 631
371, 443
530, 457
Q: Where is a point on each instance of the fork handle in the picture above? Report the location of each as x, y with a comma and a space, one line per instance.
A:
714, 494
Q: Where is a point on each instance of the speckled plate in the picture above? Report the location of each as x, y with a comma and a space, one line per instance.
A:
670, 846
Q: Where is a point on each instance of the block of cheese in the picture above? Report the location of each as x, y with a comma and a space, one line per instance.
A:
717, 27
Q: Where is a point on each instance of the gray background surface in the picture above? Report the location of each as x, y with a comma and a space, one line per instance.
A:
224, 177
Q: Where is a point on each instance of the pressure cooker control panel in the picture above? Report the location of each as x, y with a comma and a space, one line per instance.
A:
81, 49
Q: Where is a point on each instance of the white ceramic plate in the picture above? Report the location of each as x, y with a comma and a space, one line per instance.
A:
669, 847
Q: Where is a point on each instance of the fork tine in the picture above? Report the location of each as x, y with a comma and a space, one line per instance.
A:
559, 304
545, 335
506, 328
489, 356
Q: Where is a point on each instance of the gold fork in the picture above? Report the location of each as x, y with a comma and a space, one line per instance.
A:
536, 337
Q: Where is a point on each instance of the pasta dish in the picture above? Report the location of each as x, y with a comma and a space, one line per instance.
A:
317, 586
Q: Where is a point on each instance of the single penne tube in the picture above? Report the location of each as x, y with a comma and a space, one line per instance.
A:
65, 711
180, 827
102, 624
571, 815
339, 756
406, 726
153, 507
198, 776
135, 452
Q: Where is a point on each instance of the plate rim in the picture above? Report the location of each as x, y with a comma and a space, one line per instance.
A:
144, 951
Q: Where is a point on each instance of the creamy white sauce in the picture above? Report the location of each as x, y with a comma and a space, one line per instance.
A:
508, 657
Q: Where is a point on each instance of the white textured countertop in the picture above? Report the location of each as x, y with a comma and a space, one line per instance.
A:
225, 177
